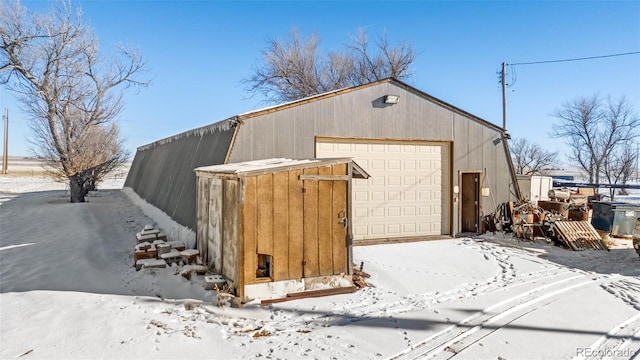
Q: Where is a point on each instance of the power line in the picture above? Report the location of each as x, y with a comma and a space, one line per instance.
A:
503, 74
576, 59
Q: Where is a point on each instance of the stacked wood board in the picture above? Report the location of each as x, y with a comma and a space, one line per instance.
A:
153, 250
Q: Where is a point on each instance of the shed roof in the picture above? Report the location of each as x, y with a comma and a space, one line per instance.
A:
266, 166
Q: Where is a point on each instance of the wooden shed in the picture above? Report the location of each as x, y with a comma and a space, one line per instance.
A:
276, 222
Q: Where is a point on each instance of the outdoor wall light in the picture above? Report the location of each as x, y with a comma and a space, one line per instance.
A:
391, 99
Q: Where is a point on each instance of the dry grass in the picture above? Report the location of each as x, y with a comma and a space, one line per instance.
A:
26, 173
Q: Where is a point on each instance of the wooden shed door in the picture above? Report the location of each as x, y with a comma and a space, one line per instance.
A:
325, 222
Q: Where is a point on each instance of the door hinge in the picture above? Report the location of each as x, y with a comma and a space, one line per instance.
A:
303, 190
304, 262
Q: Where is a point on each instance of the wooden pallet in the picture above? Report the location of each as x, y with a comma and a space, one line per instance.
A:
579, 235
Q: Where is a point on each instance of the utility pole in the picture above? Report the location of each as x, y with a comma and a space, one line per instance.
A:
5, 157
503, 79
638, 161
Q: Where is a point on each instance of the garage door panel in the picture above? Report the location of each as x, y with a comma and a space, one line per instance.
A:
409, 180
377, 212
393, 180
403, 196
378, 164
377, 230
409, 165
409, 229
377, 148
424, 195
361, 195
360, 147
378, 195
409, 195
361, 231
393, 229
409, 211
393, 195
377, 182
323, 146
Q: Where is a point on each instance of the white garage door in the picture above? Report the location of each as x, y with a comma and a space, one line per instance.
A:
407, 192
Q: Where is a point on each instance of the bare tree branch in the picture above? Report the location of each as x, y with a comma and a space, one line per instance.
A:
596, 130
619, 166
295, 69
52, 63
530, 158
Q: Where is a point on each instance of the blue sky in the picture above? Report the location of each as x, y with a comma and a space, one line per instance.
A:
198, 52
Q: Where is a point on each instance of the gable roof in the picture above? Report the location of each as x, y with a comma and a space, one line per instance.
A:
233, 121
406, 87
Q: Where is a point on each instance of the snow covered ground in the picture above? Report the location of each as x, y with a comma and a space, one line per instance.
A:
68, 290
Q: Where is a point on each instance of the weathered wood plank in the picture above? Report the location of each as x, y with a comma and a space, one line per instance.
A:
323, 292
280, 226
202, 214
310, 294
240, 262
264, 190
310, 242
214, 224
339, 211
325, 223
324, 177
296, 230
250, 222
230, 248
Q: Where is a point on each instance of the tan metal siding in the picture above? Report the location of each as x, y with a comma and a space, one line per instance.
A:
360, 114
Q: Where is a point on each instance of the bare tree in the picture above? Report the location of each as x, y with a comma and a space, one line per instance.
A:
51, 62
595, 129
618, 168
295, 69
389, 61
530, 158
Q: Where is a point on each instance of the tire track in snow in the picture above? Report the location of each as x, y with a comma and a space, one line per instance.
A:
351, 310
454, 339
506, 277
417, 302
623, 340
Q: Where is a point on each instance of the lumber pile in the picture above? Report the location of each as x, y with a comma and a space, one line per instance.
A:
154, 250
359, 276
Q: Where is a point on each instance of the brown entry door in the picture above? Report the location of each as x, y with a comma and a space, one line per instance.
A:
470, 202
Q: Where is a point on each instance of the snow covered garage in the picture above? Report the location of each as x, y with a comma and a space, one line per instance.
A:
435, 169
